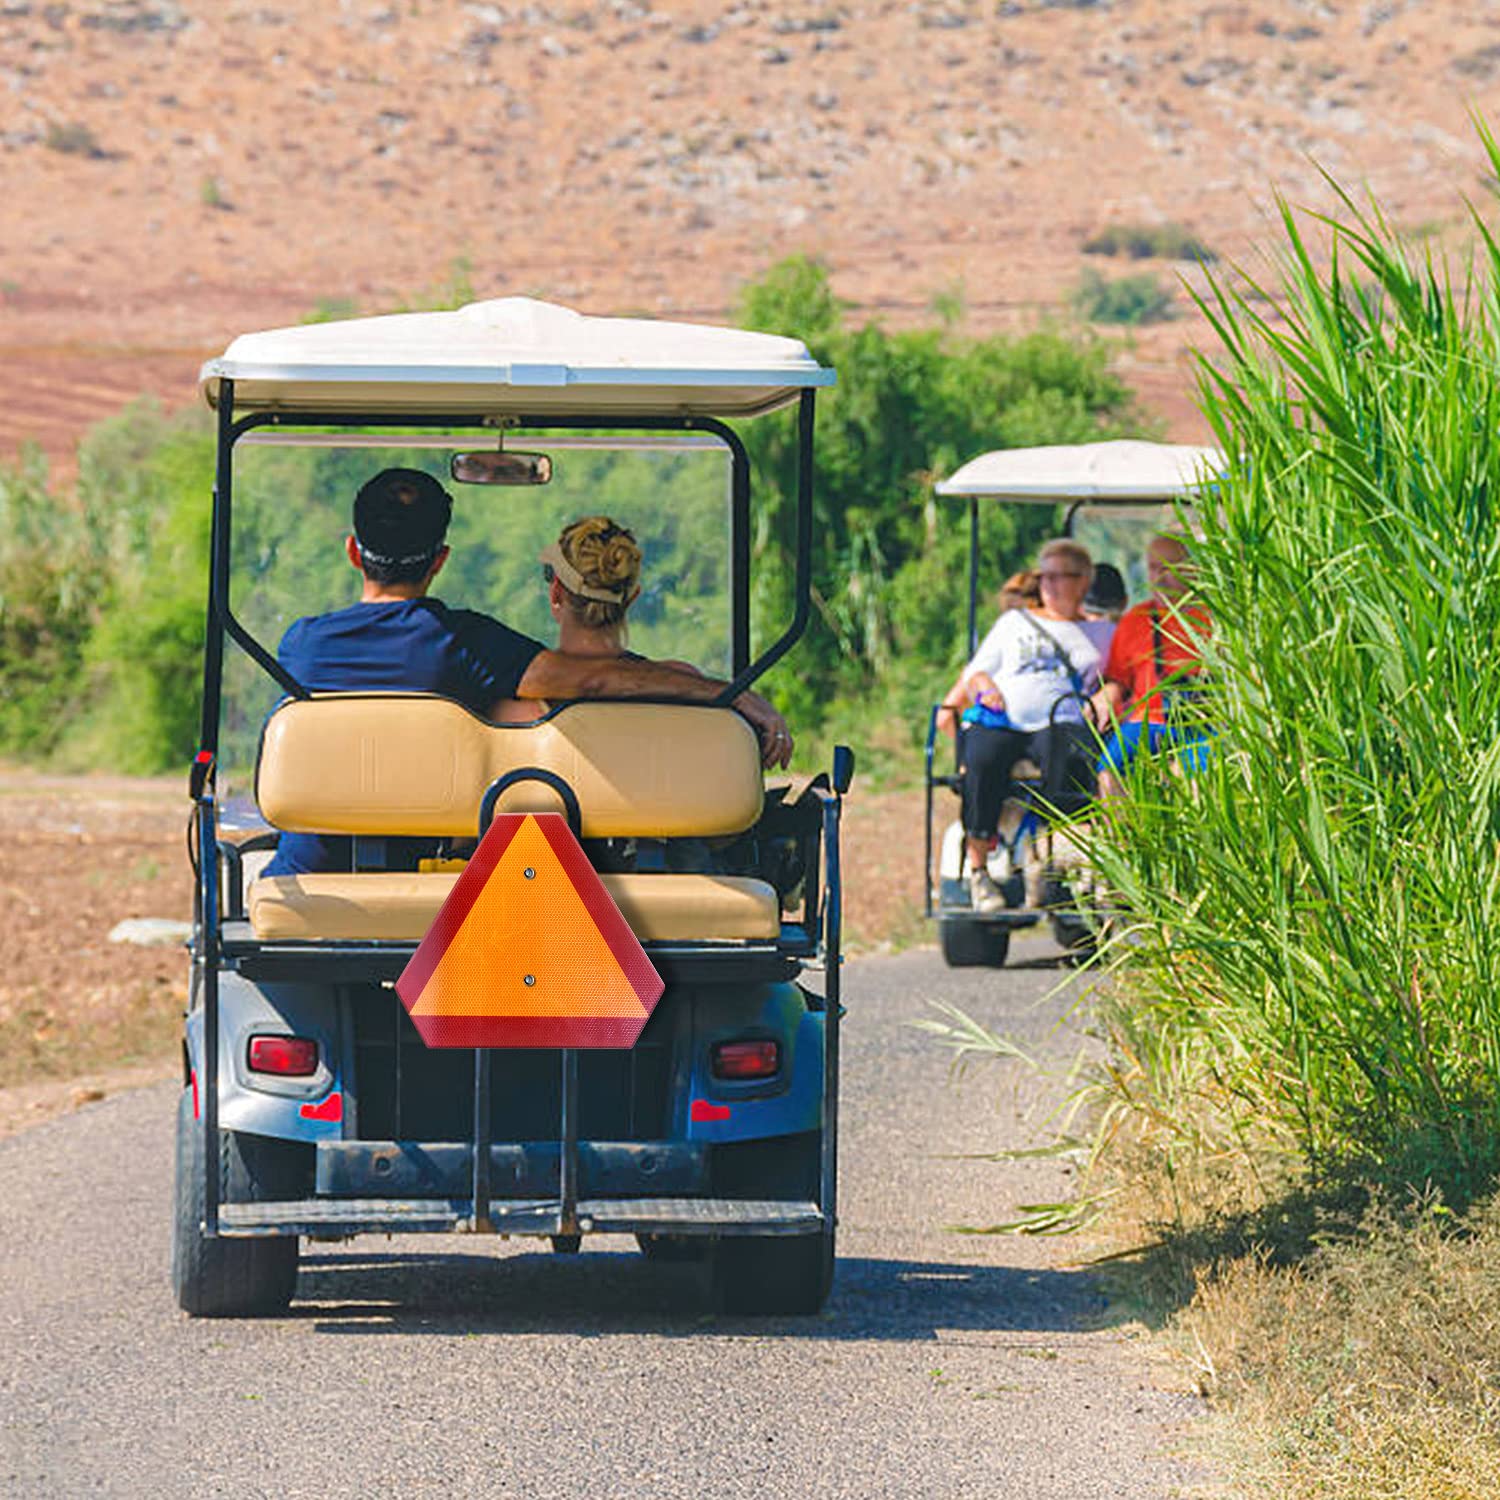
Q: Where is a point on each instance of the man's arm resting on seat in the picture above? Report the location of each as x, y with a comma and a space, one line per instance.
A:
555, 674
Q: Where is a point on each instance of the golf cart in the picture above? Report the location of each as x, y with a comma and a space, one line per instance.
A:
560, 989
1117, 494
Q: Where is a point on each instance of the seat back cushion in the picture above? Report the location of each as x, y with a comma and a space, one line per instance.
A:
386, 764
391, 907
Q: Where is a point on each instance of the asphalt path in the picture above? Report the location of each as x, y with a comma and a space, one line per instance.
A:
945, 1364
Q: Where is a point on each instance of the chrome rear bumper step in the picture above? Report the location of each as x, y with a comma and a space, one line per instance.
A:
338, 1218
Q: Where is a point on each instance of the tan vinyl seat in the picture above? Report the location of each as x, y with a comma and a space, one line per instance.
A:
393, 764
388, 907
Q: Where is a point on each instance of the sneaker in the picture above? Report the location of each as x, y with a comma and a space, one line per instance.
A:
984, 894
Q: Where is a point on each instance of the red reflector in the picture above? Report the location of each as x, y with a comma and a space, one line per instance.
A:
746, 1059
332, 1108
702, 1112
290, 1056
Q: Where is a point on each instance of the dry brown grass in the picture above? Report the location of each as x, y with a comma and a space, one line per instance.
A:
1371, 1368
1350, 1345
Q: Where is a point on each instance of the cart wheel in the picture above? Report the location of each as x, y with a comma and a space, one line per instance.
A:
973, 945
222, 1278
763, 1275
566, 1244
1070, 928
672, 1249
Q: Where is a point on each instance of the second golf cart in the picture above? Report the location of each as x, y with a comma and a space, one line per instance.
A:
1115, 495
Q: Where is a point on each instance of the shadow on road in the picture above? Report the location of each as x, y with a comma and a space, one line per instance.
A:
605, 1294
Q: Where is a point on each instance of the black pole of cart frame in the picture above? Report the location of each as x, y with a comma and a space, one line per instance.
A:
480, 1221
973, 575
567, 1171
832, 1011
208, 843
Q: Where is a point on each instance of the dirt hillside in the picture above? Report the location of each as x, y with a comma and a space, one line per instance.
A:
177, 172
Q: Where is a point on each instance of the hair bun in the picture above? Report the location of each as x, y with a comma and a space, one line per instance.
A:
605, 554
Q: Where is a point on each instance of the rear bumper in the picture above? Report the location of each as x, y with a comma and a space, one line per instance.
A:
325, 1218
523, 1170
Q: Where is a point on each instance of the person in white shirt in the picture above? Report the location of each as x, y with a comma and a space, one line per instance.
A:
1029, 683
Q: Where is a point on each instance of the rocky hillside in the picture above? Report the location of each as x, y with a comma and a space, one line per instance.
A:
176, 172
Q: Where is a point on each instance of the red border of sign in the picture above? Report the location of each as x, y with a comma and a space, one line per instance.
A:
529, 1031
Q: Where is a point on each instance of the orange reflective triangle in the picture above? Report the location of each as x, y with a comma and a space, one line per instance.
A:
536, 925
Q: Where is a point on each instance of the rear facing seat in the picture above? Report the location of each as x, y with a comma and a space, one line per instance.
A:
391, 764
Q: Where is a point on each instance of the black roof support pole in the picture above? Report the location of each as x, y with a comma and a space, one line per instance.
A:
973, 575
218, 574
207, 936
739, 560
806, 411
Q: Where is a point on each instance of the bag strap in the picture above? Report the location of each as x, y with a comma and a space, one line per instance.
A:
1073, 673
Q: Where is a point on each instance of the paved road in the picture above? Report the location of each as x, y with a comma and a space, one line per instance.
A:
945, 1365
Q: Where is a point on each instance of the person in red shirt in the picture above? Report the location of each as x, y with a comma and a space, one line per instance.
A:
1156, 646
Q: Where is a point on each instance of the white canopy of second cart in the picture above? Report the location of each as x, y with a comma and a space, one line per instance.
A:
513, 355
1117, 472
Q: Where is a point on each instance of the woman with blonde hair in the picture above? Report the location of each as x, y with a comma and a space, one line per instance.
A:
1030, 682
593, 574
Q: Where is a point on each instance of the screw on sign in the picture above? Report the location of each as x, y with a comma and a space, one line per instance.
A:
529, 950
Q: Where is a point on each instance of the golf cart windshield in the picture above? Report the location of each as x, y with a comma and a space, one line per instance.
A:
293, 494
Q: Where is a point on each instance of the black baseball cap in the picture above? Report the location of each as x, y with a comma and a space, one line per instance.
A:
1107, 590
401, 517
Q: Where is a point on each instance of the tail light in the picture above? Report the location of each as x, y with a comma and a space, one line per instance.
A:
739, 1061
287, 1056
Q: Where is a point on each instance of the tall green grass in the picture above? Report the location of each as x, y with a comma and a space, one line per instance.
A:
1312, 957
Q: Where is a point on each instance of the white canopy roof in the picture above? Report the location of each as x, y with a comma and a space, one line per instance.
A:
1100, 473
512, 355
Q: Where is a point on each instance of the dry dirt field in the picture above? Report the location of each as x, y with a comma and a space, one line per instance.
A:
80, 1014
176, 172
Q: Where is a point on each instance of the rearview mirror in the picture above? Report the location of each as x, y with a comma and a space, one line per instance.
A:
498, 467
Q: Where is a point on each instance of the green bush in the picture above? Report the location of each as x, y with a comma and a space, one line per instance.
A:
102, 597
73, 139
48, 577
1314, 951
1149, 242
1130, 300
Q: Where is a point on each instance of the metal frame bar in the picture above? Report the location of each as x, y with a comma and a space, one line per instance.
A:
832, 1007
927, 821
480, 1219
567, 1163
973, 575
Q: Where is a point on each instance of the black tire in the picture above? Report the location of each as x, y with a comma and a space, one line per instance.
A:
672, 1249
1071, 930
224, 1278
973, 945
767, 1275
770, 1275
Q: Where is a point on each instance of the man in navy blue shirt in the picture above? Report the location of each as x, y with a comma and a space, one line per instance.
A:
399, 638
